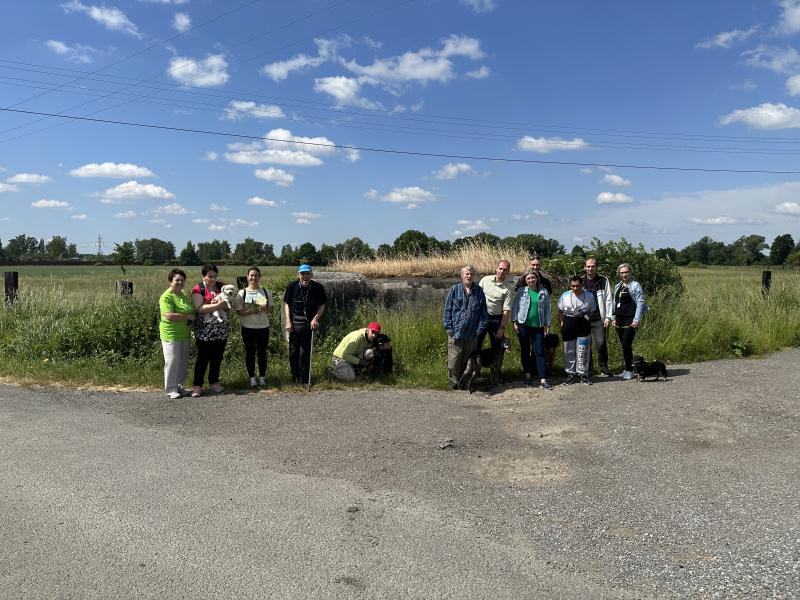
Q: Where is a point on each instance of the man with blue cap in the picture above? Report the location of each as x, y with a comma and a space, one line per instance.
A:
304, 303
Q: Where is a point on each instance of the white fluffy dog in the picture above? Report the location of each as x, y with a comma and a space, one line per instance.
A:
226, 297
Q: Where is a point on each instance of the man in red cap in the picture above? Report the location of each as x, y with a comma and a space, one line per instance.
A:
349, 354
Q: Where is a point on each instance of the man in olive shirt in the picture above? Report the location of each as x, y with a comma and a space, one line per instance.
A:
536, 267
499, 292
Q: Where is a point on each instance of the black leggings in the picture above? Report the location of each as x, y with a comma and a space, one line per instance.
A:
626, 335
209, 354
255, 342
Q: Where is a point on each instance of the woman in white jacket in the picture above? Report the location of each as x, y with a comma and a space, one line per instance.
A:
532, 313
627, 311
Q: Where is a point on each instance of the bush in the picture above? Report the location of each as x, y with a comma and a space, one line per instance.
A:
655, 275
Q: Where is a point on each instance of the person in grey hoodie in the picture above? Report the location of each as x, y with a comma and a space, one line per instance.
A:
626, 314
531, 315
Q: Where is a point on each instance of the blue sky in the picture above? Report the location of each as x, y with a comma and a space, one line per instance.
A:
311, 86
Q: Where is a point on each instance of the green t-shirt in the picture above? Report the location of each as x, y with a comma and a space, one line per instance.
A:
174, 331
532, 319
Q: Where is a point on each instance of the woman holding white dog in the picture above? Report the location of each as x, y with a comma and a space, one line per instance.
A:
627, 311
177, 311
531, 313
253, 305
211, 330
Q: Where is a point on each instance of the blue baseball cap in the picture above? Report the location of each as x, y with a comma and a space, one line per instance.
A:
304, 268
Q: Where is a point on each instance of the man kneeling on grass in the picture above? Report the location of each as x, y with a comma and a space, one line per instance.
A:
349, 354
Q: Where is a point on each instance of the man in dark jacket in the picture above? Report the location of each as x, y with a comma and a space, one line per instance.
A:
304, 303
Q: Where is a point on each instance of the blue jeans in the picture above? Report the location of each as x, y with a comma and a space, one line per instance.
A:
532, 336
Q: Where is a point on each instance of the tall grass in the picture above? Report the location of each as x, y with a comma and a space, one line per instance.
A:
438, 264
54, 333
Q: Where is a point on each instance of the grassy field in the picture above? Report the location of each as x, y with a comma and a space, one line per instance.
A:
69, 326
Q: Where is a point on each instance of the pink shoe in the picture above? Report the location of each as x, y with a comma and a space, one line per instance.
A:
196, 391
216, 388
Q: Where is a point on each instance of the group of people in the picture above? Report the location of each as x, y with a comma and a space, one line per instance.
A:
473, 311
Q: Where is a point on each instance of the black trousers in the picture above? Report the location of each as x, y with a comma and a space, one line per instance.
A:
300, 354
626, 335
492, 325
255, 344
209, 355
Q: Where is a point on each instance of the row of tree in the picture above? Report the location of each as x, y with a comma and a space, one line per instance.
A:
747, 250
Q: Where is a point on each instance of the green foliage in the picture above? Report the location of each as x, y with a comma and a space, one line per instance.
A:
793, 260
655, 275
780, 249
124, 253
189, 255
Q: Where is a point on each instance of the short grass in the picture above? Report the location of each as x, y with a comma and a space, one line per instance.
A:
68, 326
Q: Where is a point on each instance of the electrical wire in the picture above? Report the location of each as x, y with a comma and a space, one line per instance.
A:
406, 152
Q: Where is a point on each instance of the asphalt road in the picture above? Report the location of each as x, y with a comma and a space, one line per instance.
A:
679, 489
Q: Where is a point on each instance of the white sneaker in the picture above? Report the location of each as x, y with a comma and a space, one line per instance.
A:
261, 382
174, 395
252, 382
627, 375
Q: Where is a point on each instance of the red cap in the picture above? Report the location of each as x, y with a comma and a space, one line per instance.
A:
374, 326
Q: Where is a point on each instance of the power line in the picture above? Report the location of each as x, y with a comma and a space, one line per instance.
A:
404, 152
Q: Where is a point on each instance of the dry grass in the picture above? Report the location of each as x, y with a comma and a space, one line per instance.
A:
482, 256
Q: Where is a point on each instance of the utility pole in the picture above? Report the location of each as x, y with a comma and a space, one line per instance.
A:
99, 246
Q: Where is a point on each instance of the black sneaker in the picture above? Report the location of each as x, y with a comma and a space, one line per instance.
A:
569, 380
528, 382
586, 381
605, 372
545, 386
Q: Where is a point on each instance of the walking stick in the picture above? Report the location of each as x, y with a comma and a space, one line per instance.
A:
310, 356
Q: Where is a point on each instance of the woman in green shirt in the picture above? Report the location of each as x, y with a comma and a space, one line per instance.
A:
177, 311
531, 315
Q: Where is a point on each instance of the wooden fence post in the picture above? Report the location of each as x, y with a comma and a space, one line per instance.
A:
125, 288
12, 286
766, 281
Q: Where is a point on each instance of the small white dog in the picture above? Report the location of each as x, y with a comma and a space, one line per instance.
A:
226, 297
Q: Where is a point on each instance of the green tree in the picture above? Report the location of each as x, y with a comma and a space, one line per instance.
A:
793, 260
22, 247
56, 248
124, 253
253, 253
154, 251
213, 251
670, 254
780, 249
287, 256
188, 255
578, 250
307, 253
415, 243
748, 250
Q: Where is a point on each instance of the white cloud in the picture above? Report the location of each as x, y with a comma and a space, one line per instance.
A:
277, 157
615, 180
132, 190
547, 145
714, 220
111, 171
351, 154
460, 45
305, 218
77, 53
176, 2
789, 22
481, 73
79, 216
242, 223
50, 204
125, 215
28, 178
371, 194
283, 138
211, 155
217, 207
540, 213
170, 209
258, 201
215, 227
201, 221
326, 50
181, 22
411, 196
520, 217
208, 72
726, 39
158, 221
612, 198
586, 171
239, 109
480, 6
467, 225
788, 208
7, 187
111, 18
345, 92
453, 170
765, 116
277, 176
780, 60
793, 85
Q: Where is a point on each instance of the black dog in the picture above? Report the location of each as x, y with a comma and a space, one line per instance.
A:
646, 369
378, 360
551, 343
490, 358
